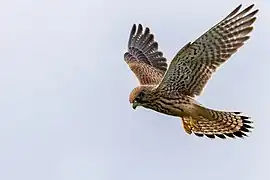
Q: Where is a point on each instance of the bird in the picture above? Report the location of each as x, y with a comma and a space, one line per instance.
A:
172, 90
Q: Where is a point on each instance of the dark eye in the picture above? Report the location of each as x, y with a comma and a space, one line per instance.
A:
139, 97
141, 94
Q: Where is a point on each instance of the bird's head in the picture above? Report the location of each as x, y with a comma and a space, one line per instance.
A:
141, 96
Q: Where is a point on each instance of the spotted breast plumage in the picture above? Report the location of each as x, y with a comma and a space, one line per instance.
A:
172, 90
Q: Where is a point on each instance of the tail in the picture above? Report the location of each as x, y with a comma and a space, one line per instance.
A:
213, 123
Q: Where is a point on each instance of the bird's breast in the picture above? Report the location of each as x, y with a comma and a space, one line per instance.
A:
174, 106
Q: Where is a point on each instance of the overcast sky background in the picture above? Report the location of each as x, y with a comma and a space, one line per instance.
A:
64, 110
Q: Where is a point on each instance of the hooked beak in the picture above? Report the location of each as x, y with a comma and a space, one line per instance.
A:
135, 104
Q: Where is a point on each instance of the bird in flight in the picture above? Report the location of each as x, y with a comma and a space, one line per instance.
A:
172, 90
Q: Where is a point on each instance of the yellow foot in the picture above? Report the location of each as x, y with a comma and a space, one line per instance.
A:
186, 126
193, 123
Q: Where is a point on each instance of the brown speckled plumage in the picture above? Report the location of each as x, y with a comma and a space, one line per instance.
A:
171, 91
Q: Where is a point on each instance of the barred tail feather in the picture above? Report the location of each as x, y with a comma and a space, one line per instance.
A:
222, 124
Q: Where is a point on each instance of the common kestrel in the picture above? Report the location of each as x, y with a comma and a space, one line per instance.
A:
172, 91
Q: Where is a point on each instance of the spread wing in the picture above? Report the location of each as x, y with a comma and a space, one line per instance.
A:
143, 57
194, 64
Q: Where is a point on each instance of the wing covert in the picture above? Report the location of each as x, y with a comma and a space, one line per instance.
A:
194, 64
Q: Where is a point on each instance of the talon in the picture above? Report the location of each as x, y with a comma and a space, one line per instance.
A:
186, 126
193, 123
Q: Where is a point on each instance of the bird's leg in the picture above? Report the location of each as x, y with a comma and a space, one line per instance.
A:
193, 122
186, 125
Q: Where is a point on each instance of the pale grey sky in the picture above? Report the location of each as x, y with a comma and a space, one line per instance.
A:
64, 110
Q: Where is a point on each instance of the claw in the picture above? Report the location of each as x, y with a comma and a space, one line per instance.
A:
186, 126
193, 123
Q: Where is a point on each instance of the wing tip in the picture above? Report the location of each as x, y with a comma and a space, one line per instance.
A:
133, 29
